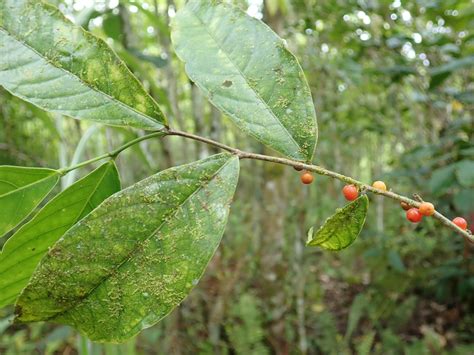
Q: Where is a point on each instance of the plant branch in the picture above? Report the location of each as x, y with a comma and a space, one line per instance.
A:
238, 152
277, 160
323, 171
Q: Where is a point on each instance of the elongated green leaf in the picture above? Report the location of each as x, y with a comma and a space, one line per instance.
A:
49, 61
21, 190
341, 229
465, 173
22, 252
463, 201
246, 71
133, 259
442, 179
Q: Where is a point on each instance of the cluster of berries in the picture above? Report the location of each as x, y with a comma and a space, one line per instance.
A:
414, 215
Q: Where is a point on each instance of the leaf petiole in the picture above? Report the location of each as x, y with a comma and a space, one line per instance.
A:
113, 154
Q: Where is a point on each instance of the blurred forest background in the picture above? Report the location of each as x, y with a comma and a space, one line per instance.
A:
393, 87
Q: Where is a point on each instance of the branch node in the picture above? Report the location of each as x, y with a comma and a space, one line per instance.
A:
418, 198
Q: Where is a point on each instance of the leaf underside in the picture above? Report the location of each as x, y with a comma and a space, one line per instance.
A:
21, 191
56, 65
22, 252
133, 259
246, 71
341, 229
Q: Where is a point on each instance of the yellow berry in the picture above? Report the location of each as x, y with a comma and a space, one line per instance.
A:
426, 209
380, 185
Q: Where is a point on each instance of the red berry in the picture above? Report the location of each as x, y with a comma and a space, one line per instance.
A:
350, 192
405, 206
426, 209
307, 178
414, 215
460, 222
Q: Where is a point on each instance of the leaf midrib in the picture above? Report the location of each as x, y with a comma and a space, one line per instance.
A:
109, 166
299, 148
139, 244
96, 90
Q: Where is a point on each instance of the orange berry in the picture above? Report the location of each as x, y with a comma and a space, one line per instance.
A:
405, 206
426, 209
414, 215
460, 222
350, 192
380, 185
307, 178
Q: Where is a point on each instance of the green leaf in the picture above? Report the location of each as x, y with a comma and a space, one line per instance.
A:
364, 347
277, 5
463, 201
395, 261
113, 25
465, 173
21, 191
358, 307
56, 65
442, 179
133, 259
341, 229
157, 61
466, 97
22, 252
247, 72
441, 73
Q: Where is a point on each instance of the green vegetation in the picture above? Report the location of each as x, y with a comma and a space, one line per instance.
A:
226, 99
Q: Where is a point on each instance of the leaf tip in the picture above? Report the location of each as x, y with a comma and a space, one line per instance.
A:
310, 236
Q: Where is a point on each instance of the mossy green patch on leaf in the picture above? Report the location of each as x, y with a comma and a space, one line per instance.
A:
132, 260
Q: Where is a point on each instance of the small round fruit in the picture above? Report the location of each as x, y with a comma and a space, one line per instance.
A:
414, 215
307, 178
380, 185
405, 206
426, 209
350, 192
460, 222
